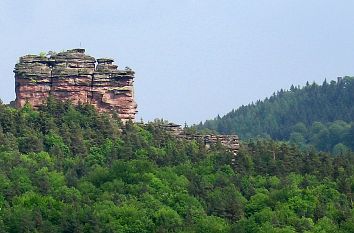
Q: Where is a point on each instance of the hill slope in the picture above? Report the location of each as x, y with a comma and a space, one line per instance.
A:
278, 115
69, 169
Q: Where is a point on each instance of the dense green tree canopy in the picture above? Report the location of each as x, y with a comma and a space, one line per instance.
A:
70, 169
318, 115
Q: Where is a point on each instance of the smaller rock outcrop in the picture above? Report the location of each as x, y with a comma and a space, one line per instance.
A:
231, 142
72, 75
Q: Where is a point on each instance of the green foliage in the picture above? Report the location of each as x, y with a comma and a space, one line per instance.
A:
317, 115
42, 54
70, 169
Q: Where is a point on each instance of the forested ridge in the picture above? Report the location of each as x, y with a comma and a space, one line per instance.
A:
318, 115
69, 169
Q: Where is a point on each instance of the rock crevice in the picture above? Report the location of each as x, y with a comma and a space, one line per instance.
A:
72, 75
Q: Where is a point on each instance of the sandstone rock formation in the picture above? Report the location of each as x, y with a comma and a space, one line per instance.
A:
77, 77
80, 78
231, 142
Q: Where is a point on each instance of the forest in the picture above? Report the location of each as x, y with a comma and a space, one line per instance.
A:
315, 115
66, 168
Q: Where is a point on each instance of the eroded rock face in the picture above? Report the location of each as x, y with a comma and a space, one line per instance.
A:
231, 142
75, 76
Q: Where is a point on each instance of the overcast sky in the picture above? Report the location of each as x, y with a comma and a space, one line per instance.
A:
193, 59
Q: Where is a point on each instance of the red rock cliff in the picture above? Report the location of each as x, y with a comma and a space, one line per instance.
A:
75, 76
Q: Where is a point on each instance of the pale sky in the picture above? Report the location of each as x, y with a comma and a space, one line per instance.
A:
193, 59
